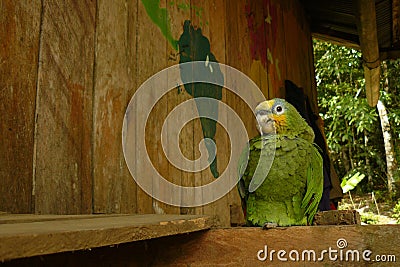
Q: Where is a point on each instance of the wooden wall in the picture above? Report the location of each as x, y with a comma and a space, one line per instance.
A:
68, 70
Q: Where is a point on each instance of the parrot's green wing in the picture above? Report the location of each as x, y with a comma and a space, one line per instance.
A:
266, 146
315, 181
243, 159
259, 155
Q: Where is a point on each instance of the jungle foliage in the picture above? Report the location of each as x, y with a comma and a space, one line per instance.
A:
352, 127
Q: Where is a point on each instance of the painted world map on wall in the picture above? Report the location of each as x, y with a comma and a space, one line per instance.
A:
194, 46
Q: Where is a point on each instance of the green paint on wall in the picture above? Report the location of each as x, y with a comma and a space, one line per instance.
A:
194, 46
184, 6
160, 17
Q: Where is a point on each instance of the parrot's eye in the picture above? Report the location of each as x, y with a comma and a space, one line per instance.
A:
279, 110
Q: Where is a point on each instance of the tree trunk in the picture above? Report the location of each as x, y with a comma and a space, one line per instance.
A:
389, 149
370, 181
346, 162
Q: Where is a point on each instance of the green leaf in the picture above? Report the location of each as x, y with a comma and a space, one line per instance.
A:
352, 182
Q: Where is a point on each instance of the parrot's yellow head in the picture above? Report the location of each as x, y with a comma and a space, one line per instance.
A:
276, 116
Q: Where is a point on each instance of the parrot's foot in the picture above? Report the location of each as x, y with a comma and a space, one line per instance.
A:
267, 226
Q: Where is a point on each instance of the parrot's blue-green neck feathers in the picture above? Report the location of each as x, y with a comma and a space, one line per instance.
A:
279, 117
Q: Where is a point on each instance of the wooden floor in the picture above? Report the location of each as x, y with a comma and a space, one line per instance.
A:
31, 235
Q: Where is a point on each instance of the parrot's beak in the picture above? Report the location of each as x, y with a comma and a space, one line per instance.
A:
266, 125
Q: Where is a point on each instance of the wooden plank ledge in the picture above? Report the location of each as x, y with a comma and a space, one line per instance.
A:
31, 235
241, 246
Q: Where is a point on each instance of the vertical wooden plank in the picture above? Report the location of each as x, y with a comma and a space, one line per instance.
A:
199, 15
114, 188
297, 57
305, 48
312, 83
238, 39
19, 35
276, 66
260, 54
151, 58
238, 56
280, 51
158, 117
214, 22
291, 38
64, 110
187, 144
176, 96
179, 13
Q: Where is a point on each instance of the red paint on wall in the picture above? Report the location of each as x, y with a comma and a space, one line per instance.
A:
261, 21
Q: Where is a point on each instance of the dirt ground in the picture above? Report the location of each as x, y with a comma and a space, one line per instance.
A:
372, 209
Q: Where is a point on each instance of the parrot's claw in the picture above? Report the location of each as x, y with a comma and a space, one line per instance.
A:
268, 225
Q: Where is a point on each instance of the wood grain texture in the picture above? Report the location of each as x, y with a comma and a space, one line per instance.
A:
78, 82
239, 246
337, 217
63, 182
214, 18
396, 23
294, 45
277, 68
158, 114
199, 14
191, 132
298, 50
368, 35
115, 82
29, 218
18, 240
256, 21
151, 58
174, 97
19, 35
237, 55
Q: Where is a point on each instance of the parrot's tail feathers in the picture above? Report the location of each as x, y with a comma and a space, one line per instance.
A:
242, 189
243, 195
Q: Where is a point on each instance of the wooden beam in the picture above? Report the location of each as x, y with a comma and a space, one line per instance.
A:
390, 54
396, 23
70, 233
367, 30
337, 217
7, 218
240, 247
335, 40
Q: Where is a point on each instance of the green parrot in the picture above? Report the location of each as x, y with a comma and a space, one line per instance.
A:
281, 175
